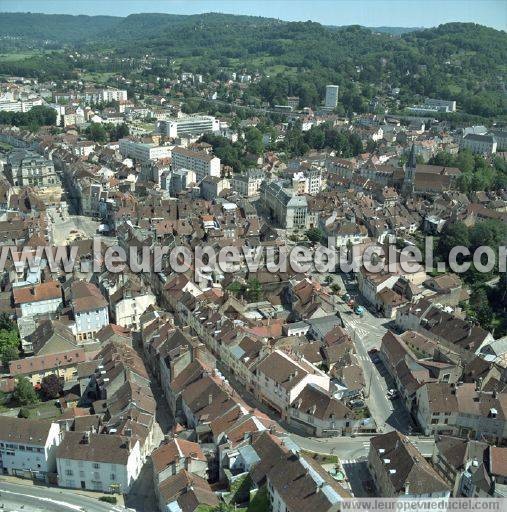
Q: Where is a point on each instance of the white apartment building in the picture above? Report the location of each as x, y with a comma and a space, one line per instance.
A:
331, 99
142, 151
188, 125
479, 144
98, 462
27, 446
203, 164
105, 95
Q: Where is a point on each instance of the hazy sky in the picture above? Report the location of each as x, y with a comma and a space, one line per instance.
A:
405, 13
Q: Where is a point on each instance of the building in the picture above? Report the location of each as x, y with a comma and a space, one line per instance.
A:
202, 163
286, 208
39, 299
98, 462
280, 380
331, 99
28, 446
89, 308
399, 469
479, 144
433, 106
106, 95
27, 168
212, 186
293, 102
35, 368
462, 410
188, 125
143, 152
248, 183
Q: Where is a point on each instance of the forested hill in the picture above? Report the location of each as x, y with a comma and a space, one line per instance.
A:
461, 61
57, 28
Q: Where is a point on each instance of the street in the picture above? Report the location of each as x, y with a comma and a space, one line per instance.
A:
350, 449
39, 498
367, 333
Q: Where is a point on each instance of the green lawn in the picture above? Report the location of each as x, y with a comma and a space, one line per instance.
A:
322, 459
44, 410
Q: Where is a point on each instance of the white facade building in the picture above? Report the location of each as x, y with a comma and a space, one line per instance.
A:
142, 151
27, 446
188, 125
98, 462
203, 164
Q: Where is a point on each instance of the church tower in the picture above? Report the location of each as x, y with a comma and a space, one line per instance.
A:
409, 173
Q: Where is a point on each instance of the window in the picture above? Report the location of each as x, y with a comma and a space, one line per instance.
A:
69, 472
434, 421
113, 476
96, 465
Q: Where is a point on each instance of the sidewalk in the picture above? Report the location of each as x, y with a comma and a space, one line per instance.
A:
35, 483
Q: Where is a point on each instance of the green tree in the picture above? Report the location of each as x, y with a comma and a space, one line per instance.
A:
253, 292
51, 386
97, 133
24, 393
253, 141
314, 235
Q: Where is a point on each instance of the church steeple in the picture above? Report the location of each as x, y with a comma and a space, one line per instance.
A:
412, 160
409, 172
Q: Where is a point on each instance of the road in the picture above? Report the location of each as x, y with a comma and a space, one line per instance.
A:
367, 333
35, 498
350, 449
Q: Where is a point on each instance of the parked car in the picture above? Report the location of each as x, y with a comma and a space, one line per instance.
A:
355, 404
392, 394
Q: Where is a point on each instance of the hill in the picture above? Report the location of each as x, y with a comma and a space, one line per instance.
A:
461, 61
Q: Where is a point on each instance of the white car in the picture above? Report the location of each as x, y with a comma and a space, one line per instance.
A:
392, 394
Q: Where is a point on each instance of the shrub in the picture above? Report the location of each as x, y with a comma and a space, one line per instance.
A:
109, 499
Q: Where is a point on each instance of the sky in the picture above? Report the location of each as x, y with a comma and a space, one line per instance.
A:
371, 13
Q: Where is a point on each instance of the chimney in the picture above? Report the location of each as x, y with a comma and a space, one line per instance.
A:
407, 488
210, 399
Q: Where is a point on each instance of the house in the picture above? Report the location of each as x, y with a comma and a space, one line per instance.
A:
177, 455
321, 415
399, 469
98, 462
39, 299
28, 446
51, 337
280, 380
89, 308
294, 483
129, 303
185, 492
452, 456
462, 409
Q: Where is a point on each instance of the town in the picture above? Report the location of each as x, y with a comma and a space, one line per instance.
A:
203, 389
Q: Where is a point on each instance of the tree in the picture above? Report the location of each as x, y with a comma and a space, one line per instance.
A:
9, 341
97, 133
253, 292
253, 141
453, 235
314, 235
51, 386
9, 353
24, 393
